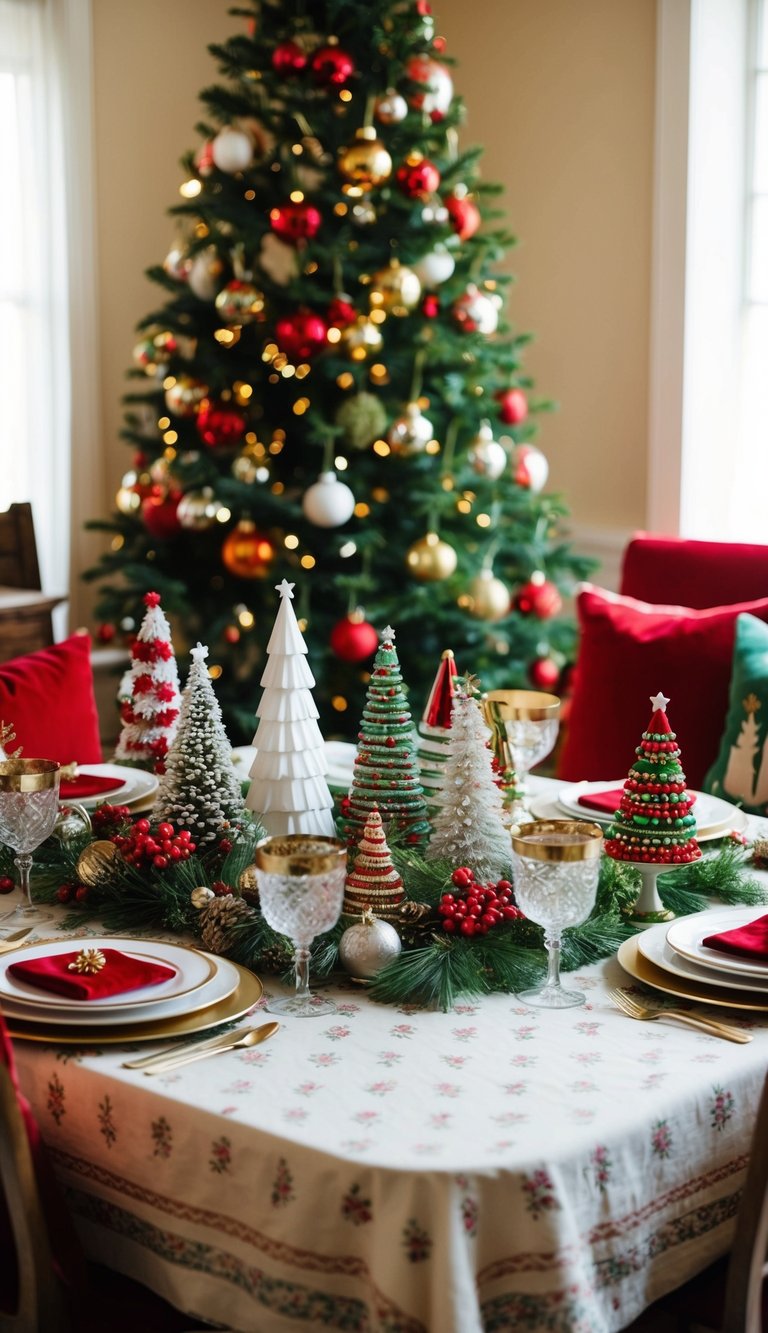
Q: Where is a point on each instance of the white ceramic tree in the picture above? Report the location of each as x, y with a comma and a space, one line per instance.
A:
200, 789
468, 827
288, 787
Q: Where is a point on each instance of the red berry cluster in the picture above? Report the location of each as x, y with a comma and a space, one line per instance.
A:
143, 848
105, 816
67, 892
478, 907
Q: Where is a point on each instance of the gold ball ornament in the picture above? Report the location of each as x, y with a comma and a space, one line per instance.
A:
248, 469
410, 433
490, 598
247, 553
197, 510
365, 162
128, 500
240, 303
430, 559
185, 395
96, 862
395, 289
201, 896
248, 884
361, 339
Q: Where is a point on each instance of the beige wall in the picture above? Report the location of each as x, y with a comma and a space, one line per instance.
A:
561, 94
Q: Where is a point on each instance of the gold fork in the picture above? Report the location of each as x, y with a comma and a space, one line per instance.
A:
643, 1011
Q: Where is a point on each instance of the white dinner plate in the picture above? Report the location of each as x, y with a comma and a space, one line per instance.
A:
714, 817
724, 997
685, 937
137, 784
653, 945
222, 984
192, 969
340, 756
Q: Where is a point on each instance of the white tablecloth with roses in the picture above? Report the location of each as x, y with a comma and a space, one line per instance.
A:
393, 1170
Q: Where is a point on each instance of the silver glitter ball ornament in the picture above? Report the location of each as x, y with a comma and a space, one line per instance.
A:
364, 949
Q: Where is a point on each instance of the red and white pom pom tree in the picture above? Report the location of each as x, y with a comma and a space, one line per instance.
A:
150, 716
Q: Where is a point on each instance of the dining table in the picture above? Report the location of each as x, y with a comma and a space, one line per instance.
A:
399, 1169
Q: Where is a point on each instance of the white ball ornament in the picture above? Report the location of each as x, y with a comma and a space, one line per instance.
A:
391, 108
366, 948
232, 150
328, 503
205, 273
530, 467
411, 432
176, 263
476, 312
197, 510
435, 267
486, 456
437, 98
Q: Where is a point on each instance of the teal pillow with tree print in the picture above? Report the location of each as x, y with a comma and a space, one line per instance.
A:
740, 772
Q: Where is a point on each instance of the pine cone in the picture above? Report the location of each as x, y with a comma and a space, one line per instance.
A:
218, 919
276, 958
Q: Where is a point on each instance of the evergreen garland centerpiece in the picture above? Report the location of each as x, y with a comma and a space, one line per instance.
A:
150, 715
200, 789
288, 787
386, 769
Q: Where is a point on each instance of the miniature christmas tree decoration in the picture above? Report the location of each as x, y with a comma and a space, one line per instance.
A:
373, 881
150, 715
386, 767
434, 730
468, 827
653, 827
200, 789
288, 786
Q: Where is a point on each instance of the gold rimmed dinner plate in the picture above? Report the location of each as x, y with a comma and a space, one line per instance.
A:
248, 993
641, 969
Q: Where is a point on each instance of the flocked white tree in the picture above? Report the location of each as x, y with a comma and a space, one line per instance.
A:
200, 789
150, 715
468, 828
288, 788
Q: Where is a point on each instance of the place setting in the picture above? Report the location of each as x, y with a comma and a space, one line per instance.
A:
718, 956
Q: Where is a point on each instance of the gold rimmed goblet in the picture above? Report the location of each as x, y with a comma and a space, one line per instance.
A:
524, 724
555, 869
300, 878
29, 807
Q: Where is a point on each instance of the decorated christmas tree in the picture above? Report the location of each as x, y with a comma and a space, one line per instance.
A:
386, 770
435, 730
288, 788
335, 335
468, 828
654, 821
150, 715
373, 881
200, 789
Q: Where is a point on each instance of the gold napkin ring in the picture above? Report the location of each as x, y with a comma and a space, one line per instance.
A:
88, 961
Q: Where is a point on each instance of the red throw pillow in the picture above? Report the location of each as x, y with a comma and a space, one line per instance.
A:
630, 650
48, 698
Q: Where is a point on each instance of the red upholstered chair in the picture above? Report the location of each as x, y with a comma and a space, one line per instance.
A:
675, 571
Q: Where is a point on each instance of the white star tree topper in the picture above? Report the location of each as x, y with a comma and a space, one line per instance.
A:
659, 702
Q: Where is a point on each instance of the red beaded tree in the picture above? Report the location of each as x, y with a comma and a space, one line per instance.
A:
150, 715
373, 881
654, 821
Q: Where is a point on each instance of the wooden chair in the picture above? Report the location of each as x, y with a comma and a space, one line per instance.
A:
25, 611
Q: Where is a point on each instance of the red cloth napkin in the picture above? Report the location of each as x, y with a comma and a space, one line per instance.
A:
119, 974
747, 942
88, 784
606, 801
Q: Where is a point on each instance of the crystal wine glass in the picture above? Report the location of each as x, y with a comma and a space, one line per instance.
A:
300, 879
29, 806
524, 725
555, 868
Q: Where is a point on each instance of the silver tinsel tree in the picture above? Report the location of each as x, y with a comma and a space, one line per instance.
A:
200, 789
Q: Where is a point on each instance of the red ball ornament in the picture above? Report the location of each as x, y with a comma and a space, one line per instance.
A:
513, 406
341, 313
430, 306
418, 177
160, 514
220, 426
106, 633
247, 553
204, 158
544, 673
539, 598
7, 885
331, 66
353, 640
295, 223
288, 58
464, 215
301, 335
232, 634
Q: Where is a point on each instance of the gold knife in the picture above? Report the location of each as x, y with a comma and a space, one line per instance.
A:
9, 942
178, 1055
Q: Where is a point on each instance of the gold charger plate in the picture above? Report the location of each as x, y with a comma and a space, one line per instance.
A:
248, 992
641, 969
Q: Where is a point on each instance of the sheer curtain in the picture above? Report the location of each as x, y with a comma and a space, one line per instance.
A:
47, 305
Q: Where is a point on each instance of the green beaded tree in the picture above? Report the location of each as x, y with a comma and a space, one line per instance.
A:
654, 821
386, 772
